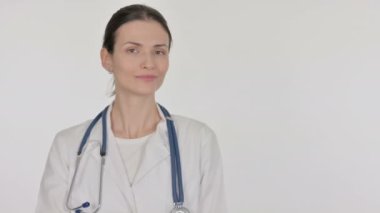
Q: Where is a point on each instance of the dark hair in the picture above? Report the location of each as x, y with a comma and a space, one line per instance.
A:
131, 13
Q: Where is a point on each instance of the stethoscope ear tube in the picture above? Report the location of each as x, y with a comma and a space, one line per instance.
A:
177, 164
103, 115
104, 125
177, 187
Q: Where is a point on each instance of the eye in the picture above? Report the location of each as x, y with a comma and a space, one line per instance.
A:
132, 50
160, 52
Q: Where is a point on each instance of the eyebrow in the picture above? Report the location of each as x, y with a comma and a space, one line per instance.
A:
138, 44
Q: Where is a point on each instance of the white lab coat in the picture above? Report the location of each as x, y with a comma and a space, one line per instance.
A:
152, 190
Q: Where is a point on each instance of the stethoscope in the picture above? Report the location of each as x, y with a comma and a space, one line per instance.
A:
177, 187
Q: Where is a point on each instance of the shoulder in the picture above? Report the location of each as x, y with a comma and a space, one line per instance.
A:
73, 131
65, 144
195, 129
69, 138
191, 124
199, 137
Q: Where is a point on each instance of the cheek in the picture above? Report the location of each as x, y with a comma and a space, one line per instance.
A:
164, 66
126, 66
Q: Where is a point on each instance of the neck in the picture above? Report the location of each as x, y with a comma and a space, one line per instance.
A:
134, 117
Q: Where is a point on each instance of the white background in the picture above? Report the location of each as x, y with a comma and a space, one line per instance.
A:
290, 87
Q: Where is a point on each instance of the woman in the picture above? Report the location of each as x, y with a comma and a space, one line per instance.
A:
135, 173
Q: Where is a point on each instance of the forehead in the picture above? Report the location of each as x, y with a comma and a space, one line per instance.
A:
144, 32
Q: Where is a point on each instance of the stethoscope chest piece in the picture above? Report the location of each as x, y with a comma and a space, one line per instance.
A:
178, 209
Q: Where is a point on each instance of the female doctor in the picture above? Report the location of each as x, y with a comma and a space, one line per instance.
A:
136, 170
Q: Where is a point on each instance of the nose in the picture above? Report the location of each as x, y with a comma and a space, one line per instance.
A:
148, 61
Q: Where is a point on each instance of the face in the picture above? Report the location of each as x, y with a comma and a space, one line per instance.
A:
140, 58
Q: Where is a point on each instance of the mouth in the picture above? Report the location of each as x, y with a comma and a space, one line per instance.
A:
146, 77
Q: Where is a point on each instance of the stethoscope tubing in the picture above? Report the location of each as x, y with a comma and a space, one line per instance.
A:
177, 185
177, 188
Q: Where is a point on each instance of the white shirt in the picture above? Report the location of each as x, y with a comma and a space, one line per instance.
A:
132, 151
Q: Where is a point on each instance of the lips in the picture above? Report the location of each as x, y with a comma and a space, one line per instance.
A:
146, 77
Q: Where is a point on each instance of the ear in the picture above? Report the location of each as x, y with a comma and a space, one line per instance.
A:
106, 59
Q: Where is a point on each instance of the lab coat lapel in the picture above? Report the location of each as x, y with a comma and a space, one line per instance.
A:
156, 150
155, 153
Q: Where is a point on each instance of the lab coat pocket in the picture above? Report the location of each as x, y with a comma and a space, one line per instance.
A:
86, 185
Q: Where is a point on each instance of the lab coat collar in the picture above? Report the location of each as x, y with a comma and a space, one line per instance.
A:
156, 151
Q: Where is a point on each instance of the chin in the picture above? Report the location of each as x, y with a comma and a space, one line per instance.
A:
140, 90
143, 92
